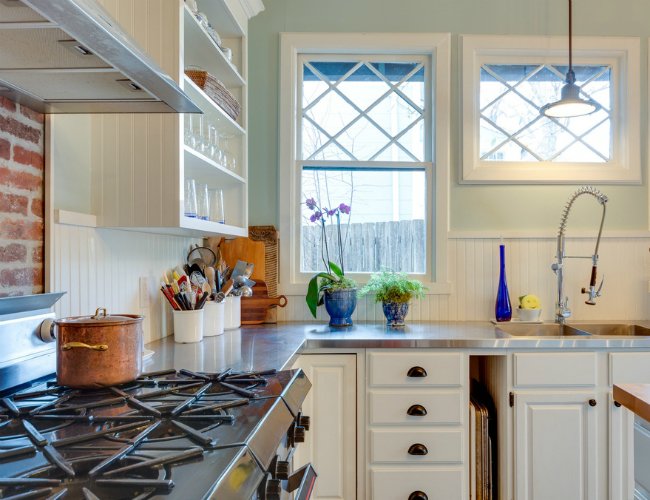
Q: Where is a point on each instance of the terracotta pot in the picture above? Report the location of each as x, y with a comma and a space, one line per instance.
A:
98, 351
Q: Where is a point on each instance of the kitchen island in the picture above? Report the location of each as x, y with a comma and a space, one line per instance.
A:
373, 421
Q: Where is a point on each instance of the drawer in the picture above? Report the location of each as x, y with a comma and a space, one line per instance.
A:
551, 369
435, 368
629, 368
445, 446
393, 407
437, 484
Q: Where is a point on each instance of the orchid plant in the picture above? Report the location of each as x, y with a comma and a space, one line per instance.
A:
333, 278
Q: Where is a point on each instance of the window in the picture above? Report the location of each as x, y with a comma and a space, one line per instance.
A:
363, 124
506, 139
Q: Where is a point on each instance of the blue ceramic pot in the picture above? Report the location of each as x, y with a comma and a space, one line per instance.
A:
395, 313
340, 305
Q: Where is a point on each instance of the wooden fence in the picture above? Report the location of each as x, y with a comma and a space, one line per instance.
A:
371, 246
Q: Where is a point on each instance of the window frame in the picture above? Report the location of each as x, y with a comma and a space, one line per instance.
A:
622, 53
292, 45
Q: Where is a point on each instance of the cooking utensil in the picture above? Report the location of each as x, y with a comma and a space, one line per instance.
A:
203, 256
254, 309
99, 350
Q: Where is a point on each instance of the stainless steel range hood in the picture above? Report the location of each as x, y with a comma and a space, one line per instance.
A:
70, 56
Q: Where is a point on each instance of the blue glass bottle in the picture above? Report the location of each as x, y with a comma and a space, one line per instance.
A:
502, 308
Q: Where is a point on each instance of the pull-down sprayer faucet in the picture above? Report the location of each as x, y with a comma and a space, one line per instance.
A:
562, 311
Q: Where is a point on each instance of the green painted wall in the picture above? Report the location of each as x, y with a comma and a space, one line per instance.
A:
472, 207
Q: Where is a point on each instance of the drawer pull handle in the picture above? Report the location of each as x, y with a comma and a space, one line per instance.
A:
417, 411
418, 449
592, 402
418, 495
416, 372
617, 404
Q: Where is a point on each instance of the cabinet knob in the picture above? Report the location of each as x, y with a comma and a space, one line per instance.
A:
418, 495
416, 411
416, 372
617, 404
418, 449
592, 402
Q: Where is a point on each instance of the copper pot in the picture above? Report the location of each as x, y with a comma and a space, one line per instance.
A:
98, 351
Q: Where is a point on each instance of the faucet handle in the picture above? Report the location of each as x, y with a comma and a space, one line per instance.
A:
593, 292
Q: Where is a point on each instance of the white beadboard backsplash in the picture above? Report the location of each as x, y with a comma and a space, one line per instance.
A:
474, 274
103, 267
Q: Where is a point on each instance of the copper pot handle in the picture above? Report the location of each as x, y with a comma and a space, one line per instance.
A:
98, 315
71, 345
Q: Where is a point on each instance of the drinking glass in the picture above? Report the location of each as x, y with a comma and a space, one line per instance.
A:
187, 129
195, 131
205, 136
216, 206
214, 143
190, 198
203, 202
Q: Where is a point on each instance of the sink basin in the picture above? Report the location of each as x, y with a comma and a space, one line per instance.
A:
614, 330
540, 330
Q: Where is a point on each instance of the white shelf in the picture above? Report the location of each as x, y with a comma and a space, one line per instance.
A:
222, 18
200, 167
209, 228
216, 115
201, 51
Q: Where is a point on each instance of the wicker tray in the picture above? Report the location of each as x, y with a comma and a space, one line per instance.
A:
216, 91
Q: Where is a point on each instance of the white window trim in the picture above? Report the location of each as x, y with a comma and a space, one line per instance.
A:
623, 53
292, 281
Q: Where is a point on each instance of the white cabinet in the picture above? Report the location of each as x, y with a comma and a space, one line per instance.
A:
139, 162
556, 445
331, 443
417, 406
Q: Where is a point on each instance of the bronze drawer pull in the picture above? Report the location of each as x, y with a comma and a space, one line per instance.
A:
418, 495
416, 372
592, 402
617, 404
416, 411
418, 449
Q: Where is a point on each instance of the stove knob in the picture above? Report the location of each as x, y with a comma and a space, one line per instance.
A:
299, 434
46, 331
304, 421
282, 470
273, 489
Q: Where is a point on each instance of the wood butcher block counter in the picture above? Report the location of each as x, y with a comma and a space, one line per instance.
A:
635, 397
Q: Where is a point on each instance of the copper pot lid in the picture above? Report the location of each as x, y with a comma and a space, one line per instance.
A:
101, 318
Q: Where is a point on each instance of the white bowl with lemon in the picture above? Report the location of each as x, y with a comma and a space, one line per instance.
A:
530, 308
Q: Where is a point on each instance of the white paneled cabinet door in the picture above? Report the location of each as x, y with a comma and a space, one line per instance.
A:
556, 446
330, 444
621, 448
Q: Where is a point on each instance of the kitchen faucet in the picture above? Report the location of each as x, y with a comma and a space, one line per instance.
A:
562, 311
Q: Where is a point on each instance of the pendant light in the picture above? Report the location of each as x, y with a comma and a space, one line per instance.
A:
570, 103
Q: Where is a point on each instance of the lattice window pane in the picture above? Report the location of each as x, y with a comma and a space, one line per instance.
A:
513, 130
364, 108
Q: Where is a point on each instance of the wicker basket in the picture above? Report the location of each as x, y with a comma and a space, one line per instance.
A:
216, 91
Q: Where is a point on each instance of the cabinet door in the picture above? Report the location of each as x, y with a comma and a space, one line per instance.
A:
330, 444
556, 446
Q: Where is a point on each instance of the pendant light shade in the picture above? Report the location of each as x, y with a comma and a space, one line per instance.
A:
570, 103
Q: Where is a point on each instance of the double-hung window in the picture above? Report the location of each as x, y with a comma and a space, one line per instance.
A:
364, 124
507, 79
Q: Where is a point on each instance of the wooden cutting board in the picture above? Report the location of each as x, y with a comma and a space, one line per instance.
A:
255, 308
247, 250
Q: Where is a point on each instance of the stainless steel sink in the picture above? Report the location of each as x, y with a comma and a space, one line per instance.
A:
614, 330
541, 330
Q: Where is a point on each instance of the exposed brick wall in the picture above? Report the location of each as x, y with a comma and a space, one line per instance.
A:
21, 200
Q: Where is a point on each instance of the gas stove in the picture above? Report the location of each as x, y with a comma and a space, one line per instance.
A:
170, 434
173, 434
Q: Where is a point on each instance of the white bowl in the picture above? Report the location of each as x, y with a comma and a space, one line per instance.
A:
529, 314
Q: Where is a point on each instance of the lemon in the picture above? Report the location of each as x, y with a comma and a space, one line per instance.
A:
529, 302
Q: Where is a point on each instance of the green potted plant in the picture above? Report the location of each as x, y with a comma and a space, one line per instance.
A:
395, 291
331, 287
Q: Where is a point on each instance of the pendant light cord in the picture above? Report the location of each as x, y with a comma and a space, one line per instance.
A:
570, 36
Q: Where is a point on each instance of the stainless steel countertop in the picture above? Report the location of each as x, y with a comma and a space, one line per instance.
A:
277, 346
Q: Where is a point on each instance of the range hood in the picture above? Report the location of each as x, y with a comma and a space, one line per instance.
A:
70, 56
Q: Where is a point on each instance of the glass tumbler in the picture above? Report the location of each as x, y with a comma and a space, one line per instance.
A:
216, 206
190, 205
203, 202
